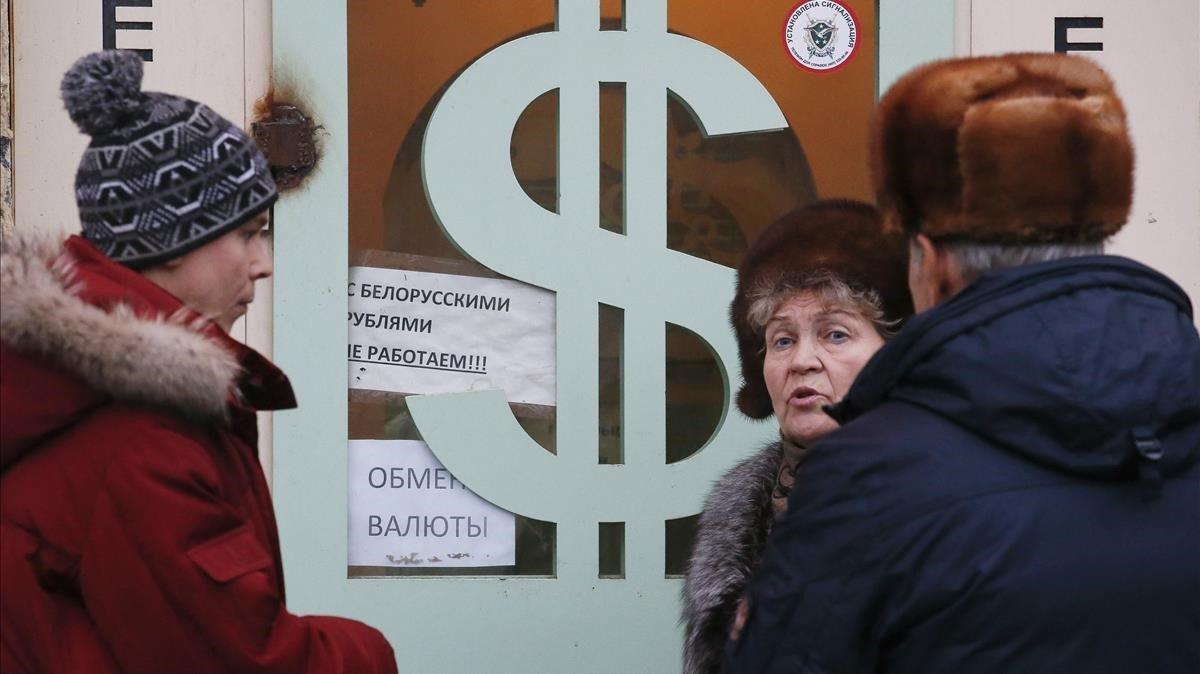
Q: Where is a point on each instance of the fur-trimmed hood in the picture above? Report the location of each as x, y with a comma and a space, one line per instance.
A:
78, 330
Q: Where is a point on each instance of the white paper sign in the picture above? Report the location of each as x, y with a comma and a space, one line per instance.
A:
406, 509
421, 332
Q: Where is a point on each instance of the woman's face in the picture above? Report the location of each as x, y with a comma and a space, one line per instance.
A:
813, 353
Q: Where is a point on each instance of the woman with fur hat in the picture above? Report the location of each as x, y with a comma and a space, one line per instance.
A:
136, 529
817, 294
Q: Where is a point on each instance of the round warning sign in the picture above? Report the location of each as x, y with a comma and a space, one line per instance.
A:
821, 35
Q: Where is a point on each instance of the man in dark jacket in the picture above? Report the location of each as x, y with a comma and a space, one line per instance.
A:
136, 529
1015, 488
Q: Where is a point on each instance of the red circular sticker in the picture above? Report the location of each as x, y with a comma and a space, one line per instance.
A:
821, 35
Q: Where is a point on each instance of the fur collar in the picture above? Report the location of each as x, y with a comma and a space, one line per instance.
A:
729, 539
158, 361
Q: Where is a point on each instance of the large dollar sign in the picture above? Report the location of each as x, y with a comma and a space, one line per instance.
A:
478, 202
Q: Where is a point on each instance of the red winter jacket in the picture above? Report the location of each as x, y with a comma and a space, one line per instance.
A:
136, 530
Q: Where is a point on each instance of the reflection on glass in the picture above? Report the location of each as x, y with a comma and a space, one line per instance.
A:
720, 193
680, 534
612, 448
612, 549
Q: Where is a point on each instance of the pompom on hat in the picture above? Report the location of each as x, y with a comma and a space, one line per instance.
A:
838, 236
1014, 149
163, 174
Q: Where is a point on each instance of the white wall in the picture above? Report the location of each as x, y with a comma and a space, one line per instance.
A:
215, 51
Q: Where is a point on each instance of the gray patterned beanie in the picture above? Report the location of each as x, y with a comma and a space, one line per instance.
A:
163, 174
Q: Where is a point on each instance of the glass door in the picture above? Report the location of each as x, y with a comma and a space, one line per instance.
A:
535, 210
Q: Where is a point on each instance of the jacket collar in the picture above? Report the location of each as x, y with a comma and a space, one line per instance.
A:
994, 295
1066, 362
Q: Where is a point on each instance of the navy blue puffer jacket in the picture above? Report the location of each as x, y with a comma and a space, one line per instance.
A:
1015, 489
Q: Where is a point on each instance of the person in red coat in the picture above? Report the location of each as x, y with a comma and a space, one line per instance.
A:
136, 529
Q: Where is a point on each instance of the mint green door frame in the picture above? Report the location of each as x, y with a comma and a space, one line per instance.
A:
461, 624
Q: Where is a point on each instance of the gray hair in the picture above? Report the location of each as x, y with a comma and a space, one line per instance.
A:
830, 289
976, 259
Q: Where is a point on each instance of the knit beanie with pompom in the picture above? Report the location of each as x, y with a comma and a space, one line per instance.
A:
163, 174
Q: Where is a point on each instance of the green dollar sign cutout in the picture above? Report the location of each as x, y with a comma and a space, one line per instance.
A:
476, 198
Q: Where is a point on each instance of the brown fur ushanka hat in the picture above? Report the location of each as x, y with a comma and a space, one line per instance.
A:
1014, 149
839, 236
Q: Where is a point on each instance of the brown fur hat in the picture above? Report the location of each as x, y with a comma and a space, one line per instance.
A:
1013, 149
836, 235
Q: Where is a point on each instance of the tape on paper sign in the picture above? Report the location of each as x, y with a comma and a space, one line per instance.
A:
406, 509
423, 332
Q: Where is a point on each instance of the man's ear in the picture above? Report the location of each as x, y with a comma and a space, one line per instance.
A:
924, 254
933, 273
946, 272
